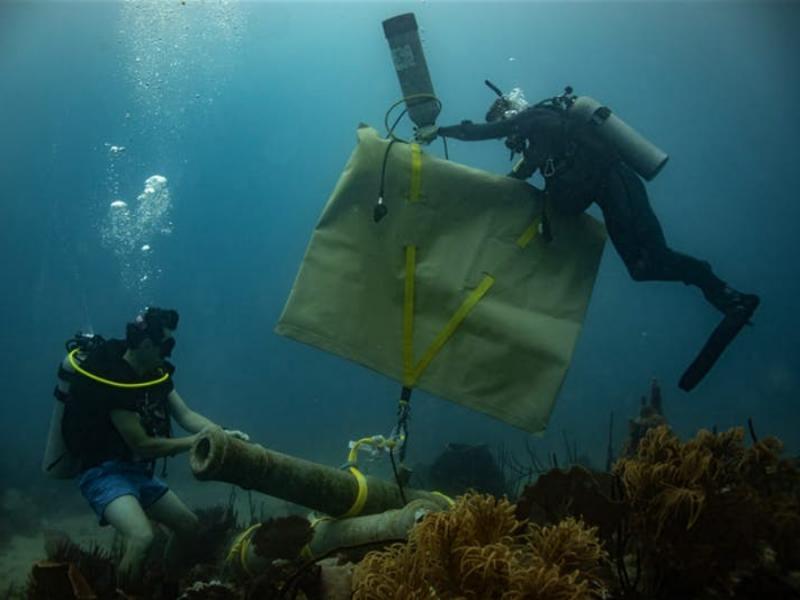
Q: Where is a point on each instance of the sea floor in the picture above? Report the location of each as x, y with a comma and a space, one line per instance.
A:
62, 508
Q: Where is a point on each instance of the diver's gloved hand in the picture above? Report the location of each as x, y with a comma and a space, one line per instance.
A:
425, 135
239, 435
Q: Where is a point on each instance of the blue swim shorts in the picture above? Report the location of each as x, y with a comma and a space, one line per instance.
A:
114, 478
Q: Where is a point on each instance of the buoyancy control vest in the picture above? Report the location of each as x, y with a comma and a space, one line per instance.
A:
78, 431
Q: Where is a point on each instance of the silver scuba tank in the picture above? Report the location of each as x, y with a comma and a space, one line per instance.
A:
58, 462
412, 69
638, 152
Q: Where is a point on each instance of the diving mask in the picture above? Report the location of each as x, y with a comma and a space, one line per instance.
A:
507, 105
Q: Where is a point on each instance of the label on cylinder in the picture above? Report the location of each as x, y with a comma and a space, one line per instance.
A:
403, 58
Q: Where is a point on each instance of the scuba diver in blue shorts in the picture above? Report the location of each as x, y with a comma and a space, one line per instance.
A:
116, 401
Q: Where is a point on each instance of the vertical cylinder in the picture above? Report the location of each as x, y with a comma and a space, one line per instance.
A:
412, 69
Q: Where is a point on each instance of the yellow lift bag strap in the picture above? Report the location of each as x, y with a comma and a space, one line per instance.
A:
408, 318
412, 372
416, 173
530, 233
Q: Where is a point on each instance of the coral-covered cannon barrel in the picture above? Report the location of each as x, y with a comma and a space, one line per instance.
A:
220, 457
254, 550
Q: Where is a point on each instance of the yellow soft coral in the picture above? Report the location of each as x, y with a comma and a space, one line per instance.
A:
704, 509
542, 582
570, 546
479, 550
667, 482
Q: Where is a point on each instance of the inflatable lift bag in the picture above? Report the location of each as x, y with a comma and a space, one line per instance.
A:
454, 291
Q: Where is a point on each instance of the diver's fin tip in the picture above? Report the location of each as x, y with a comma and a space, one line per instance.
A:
718, 341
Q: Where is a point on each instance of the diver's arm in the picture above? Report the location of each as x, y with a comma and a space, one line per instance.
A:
129, 425
194, 422
469, 131
190, 420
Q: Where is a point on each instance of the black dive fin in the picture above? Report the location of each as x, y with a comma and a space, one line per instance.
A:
722, 336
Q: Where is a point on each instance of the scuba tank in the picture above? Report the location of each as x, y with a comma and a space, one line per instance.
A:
58, 462
636, 151
412, 70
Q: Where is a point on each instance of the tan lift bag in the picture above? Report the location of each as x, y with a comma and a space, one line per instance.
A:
454, 292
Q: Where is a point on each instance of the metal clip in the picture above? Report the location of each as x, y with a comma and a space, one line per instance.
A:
549, 168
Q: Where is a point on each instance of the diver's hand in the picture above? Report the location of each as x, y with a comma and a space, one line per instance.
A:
425, 135
239, 435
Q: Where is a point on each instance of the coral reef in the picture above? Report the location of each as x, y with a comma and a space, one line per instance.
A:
95, 564
709, 513
651, 415
578, 493
53, 580
336, 580
211, 590
218, 524
705, 518
282, 537
462, 467
708, 518
480, 550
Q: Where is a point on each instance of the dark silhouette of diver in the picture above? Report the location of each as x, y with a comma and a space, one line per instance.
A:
581, 164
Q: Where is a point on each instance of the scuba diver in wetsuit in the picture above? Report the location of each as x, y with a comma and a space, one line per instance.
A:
581, 164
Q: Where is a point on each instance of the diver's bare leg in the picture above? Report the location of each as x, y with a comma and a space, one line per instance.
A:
170, 510
125, 514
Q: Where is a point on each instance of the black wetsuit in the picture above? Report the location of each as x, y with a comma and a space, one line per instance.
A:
579, 168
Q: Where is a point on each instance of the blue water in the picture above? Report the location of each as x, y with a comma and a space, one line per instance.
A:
249, 110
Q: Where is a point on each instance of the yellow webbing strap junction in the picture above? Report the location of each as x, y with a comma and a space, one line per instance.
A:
458, 317
412, 372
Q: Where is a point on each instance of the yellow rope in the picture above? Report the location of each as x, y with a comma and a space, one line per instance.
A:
376, 441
